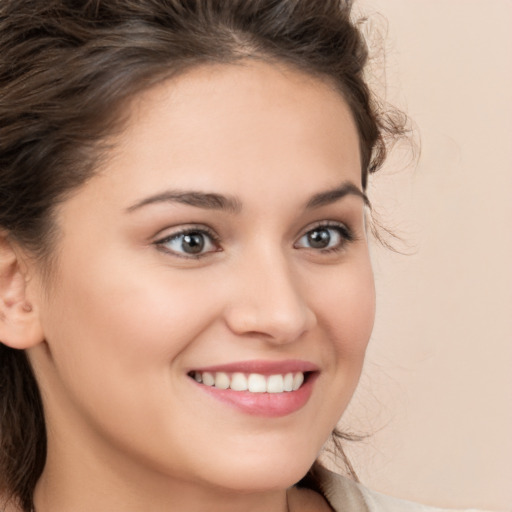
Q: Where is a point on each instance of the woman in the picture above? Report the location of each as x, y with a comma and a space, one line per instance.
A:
186, 288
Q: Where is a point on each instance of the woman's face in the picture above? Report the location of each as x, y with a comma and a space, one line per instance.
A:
224, 240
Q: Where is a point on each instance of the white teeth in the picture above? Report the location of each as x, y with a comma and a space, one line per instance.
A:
298, 379
221, 380
239, 382
253, 382
208, 379
257, 383
275, 384
288, 382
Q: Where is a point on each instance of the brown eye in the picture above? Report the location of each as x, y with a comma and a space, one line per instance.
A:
326, 237
319, 238
191, 243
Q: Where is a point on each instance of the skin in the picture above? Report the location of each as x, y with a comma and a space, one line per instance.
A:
129, 317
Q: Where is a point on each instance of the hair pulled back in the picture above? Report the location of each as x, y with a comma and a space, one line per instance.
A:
67, 67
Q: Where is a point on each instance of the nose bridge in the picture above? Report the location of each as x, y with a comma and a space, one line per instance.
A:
269, 300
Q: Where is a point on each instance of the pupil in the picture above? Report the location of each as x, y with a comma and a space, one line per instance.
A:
319, 238
193, 243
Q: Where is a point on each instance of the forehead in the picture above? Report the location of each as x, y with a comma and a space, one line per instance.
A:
253, 126
251, 106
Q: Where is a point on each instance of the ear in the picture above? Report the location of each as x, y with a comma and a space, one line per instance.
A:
20, 327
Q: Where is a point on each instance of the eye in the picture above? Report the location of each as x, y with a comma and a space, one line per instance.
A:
189, 243
325, 238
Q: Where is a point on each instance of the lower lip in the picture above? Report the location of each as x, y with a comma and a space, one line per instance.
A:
270, 405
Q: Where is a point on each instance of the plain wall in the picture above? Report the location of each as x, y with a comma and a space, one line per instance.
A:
436, 394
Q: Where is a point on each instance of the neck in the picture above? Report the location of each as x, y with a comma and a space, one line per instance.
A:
52, 496
85, 481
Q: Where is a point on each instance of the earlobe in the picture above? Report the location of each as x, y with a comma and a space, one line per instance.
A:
19, 320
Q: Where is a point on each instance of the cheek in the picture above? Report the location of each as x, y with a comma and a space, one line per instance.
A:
121, 327
107, 326
348, 310
358, 310
345, 311
115, 350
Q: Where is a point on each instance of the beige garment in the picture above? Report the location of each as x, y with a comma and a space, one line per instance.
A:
345, 495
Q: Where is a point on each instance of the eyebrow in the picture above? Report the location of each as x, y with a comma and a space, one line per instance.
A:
213, 201
208, 201
331, 196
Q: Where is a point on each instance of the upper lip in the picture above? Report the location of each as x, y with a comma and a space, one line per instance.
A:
262, 367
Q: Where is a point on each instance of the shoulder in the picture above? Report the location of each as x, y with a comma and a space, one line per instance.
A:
345, 495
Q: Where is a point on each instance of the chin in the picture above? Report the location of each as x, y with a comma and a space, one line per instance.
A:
256, 480
264, 473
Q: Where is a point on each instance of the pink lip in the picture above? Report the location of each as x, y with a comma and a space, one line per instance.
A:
262, 367
270, 405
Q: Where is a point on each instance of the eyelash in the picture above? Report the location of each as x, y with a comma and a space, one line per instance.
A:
201, 230
345, 233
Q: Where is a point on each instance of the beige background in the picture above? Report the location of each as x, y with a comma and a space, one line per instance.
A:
436, 394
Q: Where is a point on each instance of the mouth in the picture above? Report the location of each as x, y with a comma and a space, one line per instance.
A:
252, 382
270, 389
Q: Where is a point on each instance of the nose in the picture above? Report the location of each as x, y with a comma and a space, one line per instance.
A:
268, 301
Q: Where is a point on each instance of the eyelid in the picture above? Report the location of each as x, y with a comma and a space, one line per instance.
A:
343, 229
184, 230
342, 226
180, 229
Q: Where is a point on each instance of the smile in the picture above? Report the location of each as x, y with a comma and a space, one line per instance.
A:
252, 382
261, 388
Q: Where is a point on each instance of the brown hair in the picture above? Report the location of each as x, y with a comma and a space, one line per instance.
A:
66, 68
